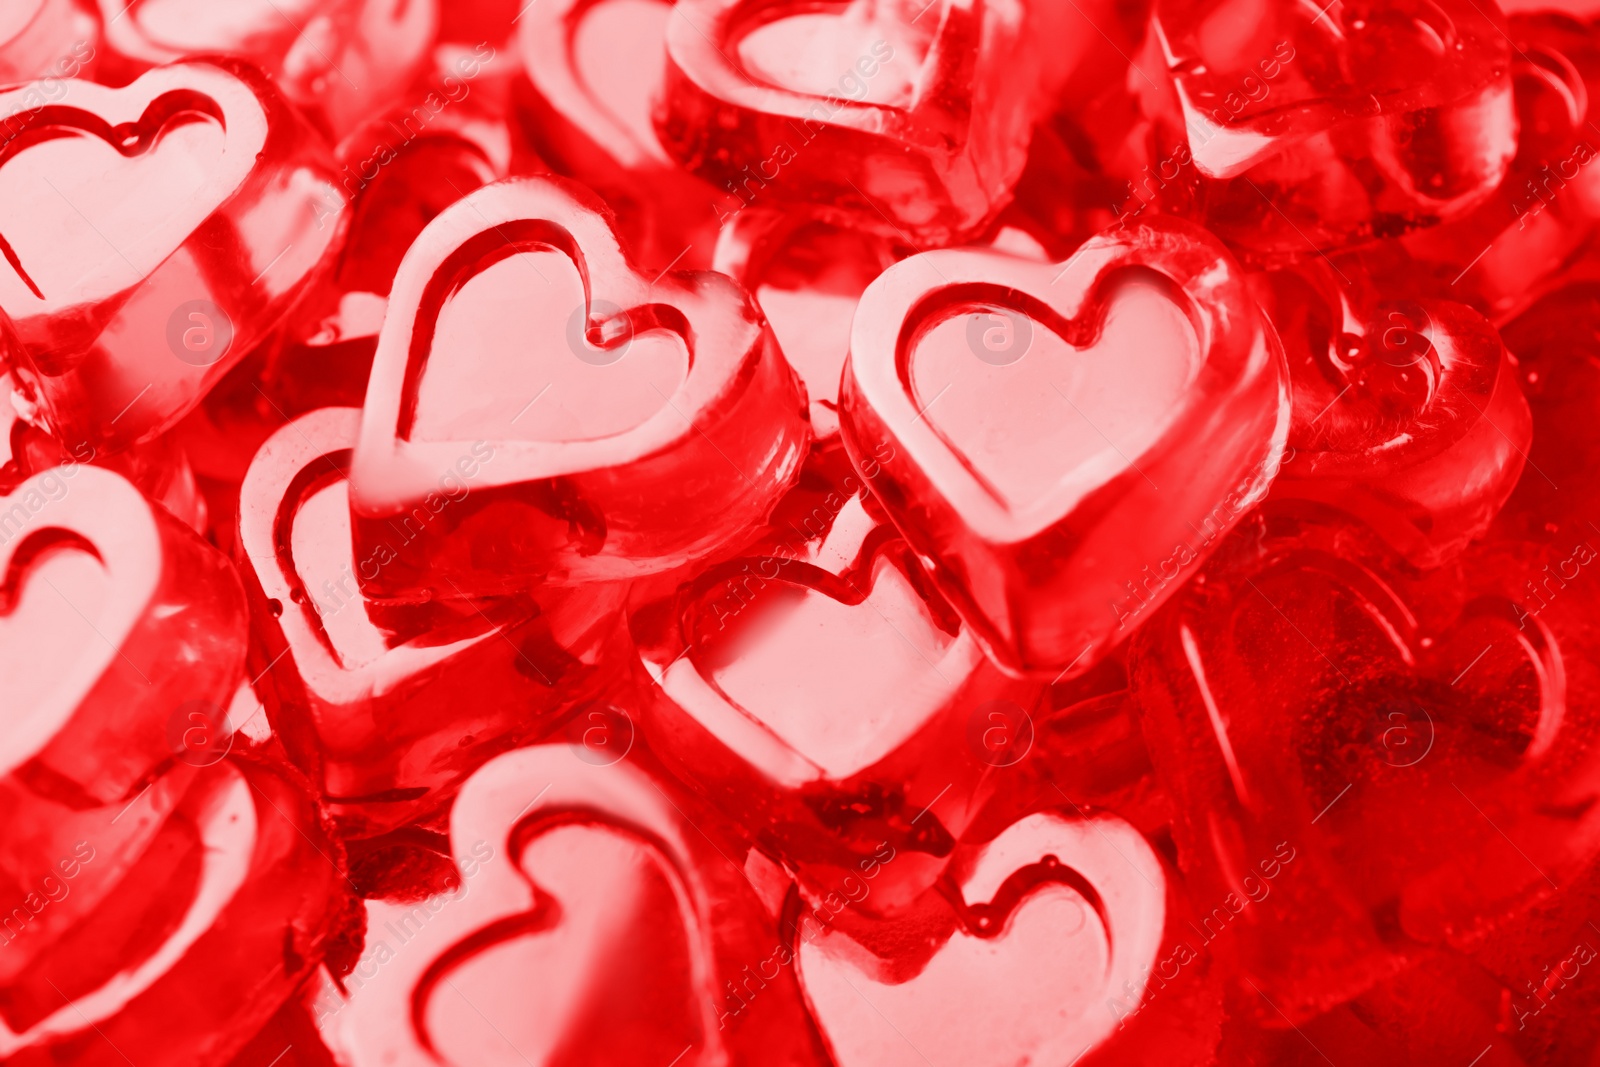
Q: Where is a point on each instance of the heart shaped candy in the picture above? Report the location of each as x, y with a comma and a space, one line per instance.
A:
115, 622
1543, 212
63, 859
1407, 412
1289, 130
153, 234
159, 468
227, 911
1040, 932
634, 426
112, 615
1057, 433
824, 695
1423, 745
582, 887
593, 70
338, 61
906, 119
390, 712
808, 277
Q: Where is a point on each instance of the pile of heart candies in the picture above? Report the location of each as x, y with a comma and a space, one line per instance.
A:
864, 533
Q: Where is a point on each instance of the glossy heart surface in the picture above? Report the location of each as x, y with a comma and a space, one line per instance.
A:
1029, 405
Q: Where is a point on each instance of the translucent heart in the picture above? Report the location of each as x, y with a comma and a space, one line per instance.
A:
505, 365
1051, 408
